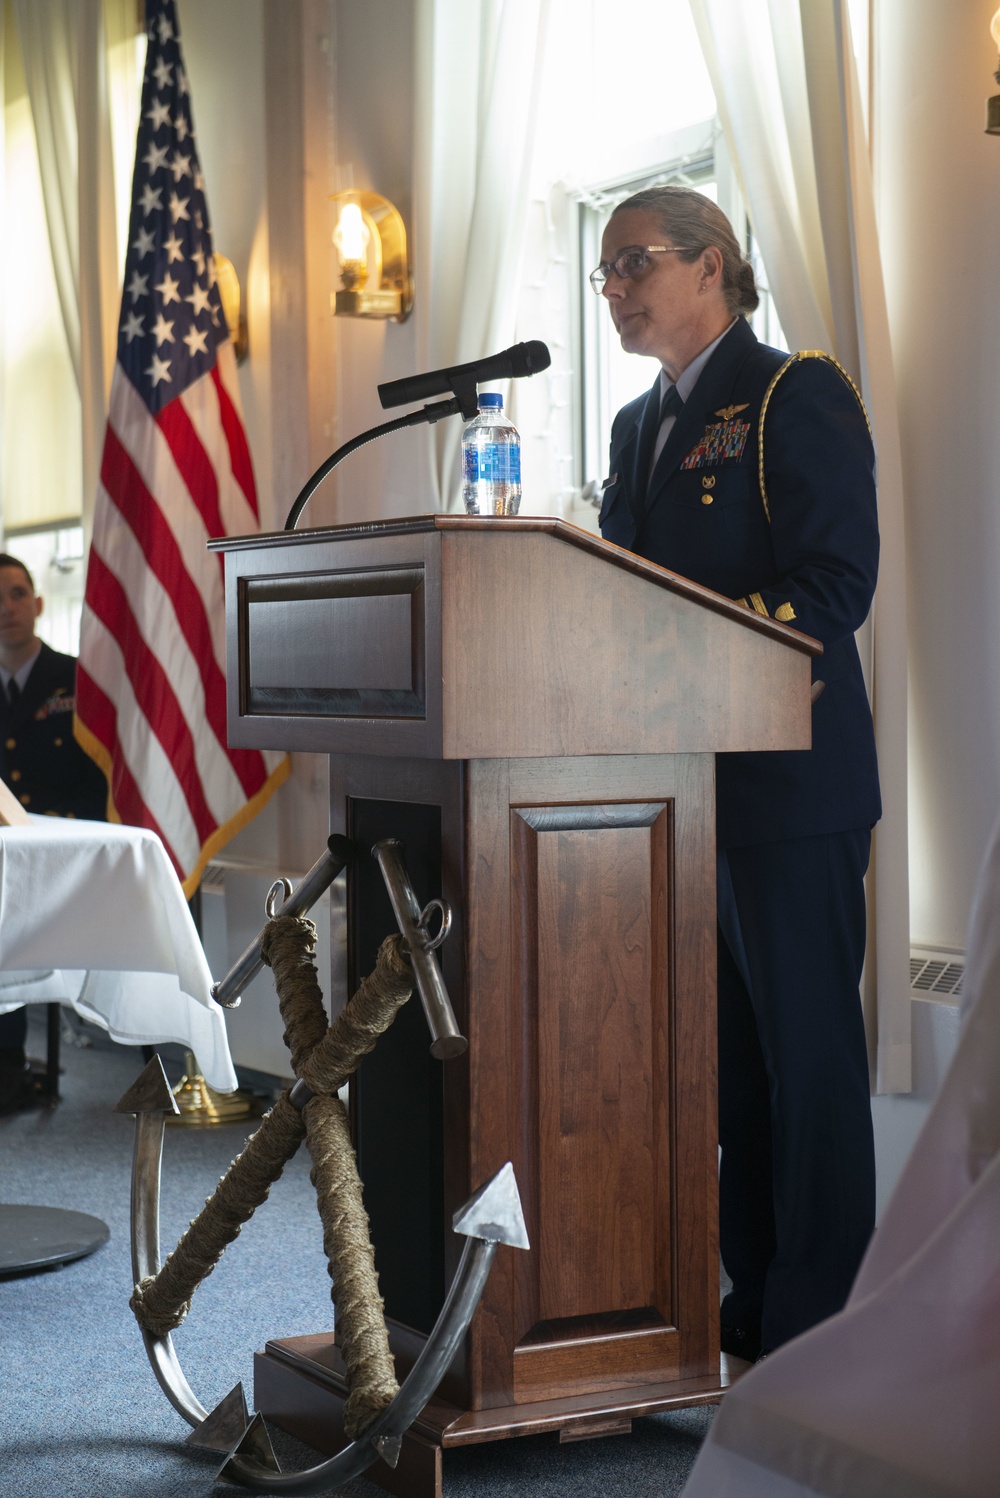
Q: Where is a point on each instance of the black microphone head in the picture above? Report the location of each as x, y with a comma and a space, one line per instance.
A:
532, 357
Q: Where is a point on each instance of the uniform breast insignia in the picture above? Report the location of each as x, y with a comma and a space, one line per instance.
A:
722, 441
61, 701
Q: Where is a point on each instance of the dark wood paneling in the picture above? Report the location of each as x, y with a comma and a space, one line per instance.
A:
584, 879
547, 650
590, 999
334, 648
340, 644
316, 1361
629, 1360
538, 640
582, 963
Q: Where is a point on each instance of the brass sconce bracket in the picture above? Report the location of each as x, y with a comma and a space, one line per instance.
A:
993, 104
378, 285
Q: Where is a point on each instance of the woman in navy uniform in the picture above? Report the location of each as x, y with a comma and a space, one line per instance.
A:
40, 761
753, 473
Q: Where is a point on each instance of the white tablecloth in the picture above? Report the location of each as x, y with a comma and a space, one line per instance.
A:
93, 914
898, 1396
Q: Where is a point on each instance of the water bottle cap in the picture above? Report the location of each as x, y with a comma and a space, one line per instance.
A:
490, 400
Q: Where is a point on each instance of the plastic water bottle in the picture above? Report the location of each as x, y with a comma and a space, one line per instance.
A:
491, 461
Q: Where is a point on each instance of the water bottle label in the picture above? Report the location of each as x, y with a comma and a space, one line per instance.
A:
498, 463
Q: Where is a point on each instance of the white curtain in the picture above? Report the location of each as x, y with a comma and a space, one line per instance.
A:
787, 91
479, 73
63, 48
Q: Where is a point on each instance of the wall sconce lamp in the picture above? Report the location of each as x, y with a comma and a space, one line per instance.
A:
232, 305
370, 241
993, 105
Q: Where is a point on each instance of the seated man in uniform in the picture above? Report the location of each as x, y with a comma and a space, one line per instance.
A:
40, 761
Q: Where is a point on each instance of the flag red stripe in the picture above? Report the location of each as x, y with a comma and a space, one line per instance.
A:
239, 452
193, 464
98, 712
128, 492
153, 692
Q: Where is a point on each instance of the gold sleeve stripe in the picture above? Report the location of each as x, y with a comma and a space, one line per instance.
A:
795, 359
759, 606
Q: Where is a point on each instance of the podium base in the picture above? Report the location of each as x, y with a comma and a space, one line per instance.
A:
299, 1386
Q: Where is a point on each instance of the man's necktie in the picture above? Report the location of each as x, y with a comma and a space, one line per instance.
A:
13, 693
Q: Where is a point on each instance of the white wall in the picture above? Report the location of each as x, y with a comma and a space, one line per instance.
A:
939, 186
373, 104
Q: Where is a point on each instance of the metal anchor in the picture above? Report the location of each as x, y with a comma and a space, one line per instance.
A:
492, 1215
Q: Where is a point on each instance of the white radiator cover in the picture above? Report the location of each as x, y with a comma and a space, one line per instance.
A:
936, 974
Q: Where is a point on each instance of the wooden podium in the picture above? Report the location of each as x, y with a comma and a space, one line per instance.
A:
534, 714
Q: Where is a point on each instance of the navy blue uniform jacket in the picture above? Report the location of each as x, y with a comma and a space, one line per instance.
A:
809, 558
39, 757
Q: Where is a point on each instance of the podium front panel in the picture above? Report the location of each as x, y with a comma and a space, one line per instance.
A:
584, 975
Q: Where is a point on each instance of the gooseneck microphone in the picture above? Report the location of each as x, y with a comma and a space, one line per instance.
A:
515, 362
461, 380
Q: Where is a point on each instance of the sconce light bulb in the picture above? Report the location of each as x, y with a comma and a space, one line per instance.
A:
351, 235
995, 29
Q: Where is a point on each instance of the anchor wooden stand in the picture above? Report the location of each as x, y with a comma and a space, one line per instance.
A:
534, 714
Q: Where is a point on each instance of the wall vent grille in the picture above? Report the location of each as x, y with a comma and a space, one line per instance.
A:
936, 974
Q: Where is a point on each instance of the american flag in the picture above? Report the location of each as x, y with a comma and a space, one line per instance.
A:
151, 689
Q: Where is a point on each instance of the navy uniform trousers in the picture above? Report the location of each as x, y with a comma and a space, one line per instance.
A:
797, 1164
797, 1169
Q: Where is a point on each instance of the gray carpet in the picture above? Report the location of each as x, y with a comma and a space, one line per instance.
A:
81, 1415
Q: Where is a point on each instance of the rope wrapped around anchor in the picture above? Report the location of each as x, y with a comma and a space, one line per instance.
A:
323, 1057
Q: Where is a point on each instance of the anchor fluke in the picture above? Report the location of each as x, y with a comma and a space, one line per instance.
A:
388, 1448
225, 1427
149, 1093
255, 1450
493, 1213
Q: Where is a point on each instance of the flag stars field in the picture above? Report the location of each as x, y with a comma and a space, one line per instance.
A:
150, 199
163, 331
159, 369
155, 158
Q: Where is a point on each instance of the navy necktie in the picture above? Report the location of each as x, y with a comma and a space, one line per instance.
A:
671, 404
13, 693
